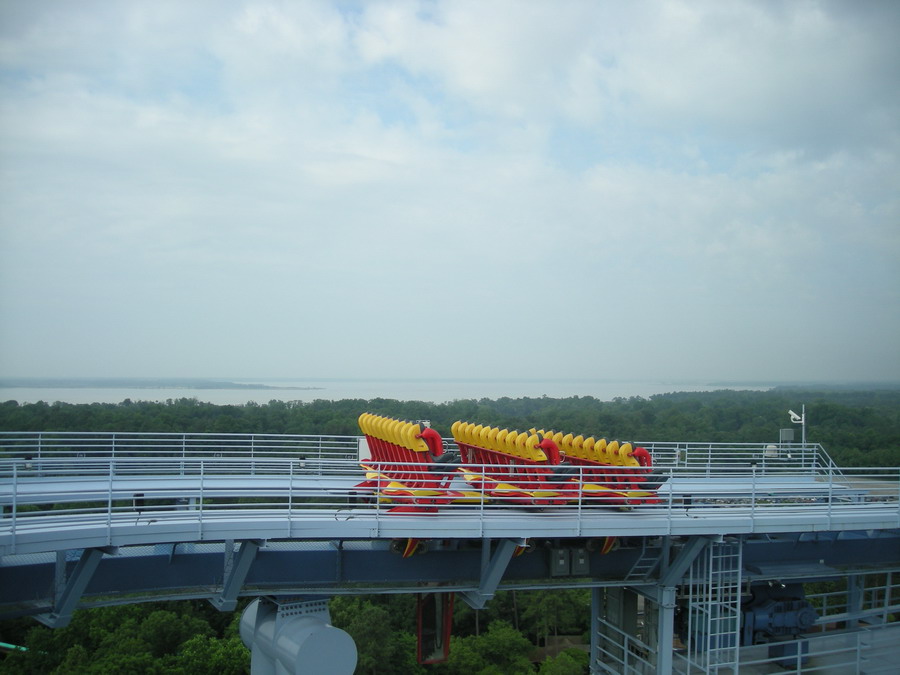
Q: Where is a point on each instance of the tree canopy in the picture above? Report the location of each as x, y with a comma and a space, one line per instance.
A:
857, 428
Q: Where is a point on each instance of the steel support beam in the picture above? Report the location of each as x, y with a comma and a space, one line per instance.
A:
663, 594
72, 589
492, 569
239, 565
682, 563
596, 608
665, 630
854, 600
675, 571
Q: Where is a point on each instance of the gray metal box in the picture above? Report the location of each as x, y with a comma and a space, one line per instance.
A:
581, 564
559, 562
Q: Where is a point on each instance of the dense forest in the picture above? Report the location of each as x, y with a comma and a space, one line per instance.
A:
857, 428
193, 638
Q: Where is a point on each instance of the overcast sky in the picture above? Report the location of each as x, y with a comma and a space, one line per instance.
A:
660, 190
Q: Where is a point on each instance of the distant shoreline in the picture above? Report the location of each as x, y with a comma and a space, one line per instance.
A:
140, 383
241, 391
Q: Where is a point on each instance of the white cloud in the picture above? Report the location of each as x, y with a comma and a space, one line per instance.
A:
652, 186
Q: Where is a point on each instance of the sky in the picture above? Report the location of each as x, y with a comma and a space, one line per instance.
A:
450, 189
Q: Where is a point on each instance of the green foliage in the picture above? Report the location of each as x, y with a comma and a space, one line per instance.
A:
206, 655
138, 639
560, 612
382, 628
857, 427
500, 650
568, 662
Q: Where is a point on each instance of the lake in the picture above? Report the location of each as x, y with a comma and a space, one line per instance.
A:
235, 392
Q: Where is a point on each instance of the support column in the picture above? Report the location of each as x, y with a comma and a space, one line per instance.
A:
675, 571
660, 620
596, 604
71, 590
665, 630
294, 638
492, 569
854, 600
236, 569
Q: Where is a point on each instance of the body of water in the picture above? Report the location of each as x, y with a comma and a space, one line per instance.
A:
235, 392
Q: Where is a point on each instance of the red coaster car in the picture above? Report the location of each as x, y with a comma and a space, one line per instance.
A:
403, 468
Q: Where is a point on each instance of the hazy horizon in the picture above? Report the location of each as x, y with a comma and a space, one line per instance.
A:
4, 379
667, 190
223, 391
290, 383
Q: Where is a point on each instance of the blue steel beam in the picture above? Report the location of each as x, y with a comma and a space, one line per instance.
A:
664, 595
686, 556
74, 587
226, 601
492, 569
323, 568
26, 581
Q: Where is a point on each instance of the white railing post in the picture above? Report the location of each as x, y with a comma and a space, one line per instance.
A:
14, 503
580, 495
830, 493
670, 500
109, 503
377, 467
200, 513
898, 497
753, 494
290, 496
484, 487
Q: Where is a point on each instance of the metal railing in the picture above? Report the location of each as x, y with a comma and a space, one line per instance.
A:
727, 484
869, 650
64, 490
705, 457
620, 653
708, 458
871, 597
40, 445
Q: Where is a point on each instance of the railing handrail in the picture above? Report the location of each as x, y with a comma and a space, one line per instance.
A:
46, 444
665, 451
721, 478
173, 433
291, 492
736, 481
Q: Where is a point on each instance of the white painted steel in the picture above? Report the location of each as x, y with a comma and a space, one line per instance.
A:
37, 445
40, 445
165, 489
208, 501
870, 650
